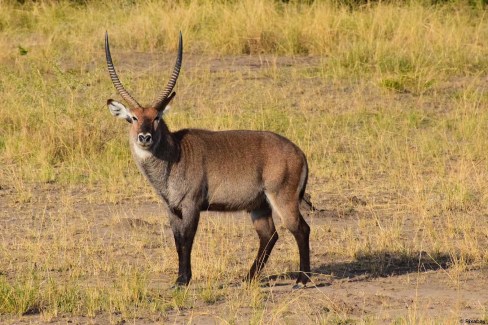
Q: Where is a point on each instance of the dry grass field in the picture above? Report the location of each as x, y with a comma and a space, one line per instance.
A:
388, 101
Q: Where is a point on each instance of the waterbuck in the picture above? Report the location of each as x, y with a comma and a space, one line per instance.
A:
195, 170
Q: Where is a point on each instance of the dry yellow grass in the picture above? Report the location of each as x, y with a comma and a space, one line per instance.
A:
388, 101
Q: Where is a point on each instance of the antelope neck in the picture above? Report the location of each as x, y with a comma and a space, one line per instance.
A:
156, 163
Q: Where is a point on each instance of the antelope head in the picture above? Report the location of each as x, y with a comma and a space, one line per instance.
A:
146, 122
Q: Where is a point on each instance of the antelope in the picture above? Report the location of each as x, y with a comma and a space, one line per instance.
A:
195, 170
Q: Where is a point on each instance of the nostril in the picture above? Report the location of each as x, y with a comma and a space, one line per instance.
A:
144, 138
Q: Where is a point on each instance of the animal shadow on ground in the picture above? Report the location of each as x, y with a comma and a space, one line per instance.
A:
369, 265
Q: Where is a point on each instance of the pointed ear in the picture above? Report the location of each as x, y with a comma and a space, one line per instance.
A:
163, 105
118, 110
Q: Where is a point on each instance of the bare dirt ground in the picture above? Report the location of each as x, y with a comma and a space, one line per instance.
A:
382, 287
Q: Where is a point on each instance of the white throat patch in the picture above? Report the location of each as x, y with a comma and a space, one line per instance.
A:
141, 153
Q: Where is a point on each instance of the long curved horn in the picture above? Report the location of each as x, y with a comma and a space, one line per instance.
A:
115, 79
174, 76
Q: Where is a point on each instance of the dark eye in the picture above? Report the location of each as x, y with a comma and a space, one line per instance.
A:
134, 118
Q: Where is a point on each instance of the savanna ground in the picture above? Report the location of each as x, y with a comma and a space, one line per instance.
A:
388, 101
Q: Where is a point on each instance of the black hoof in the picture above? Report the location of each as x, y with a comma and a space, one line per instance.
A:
178, 286
303, 278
